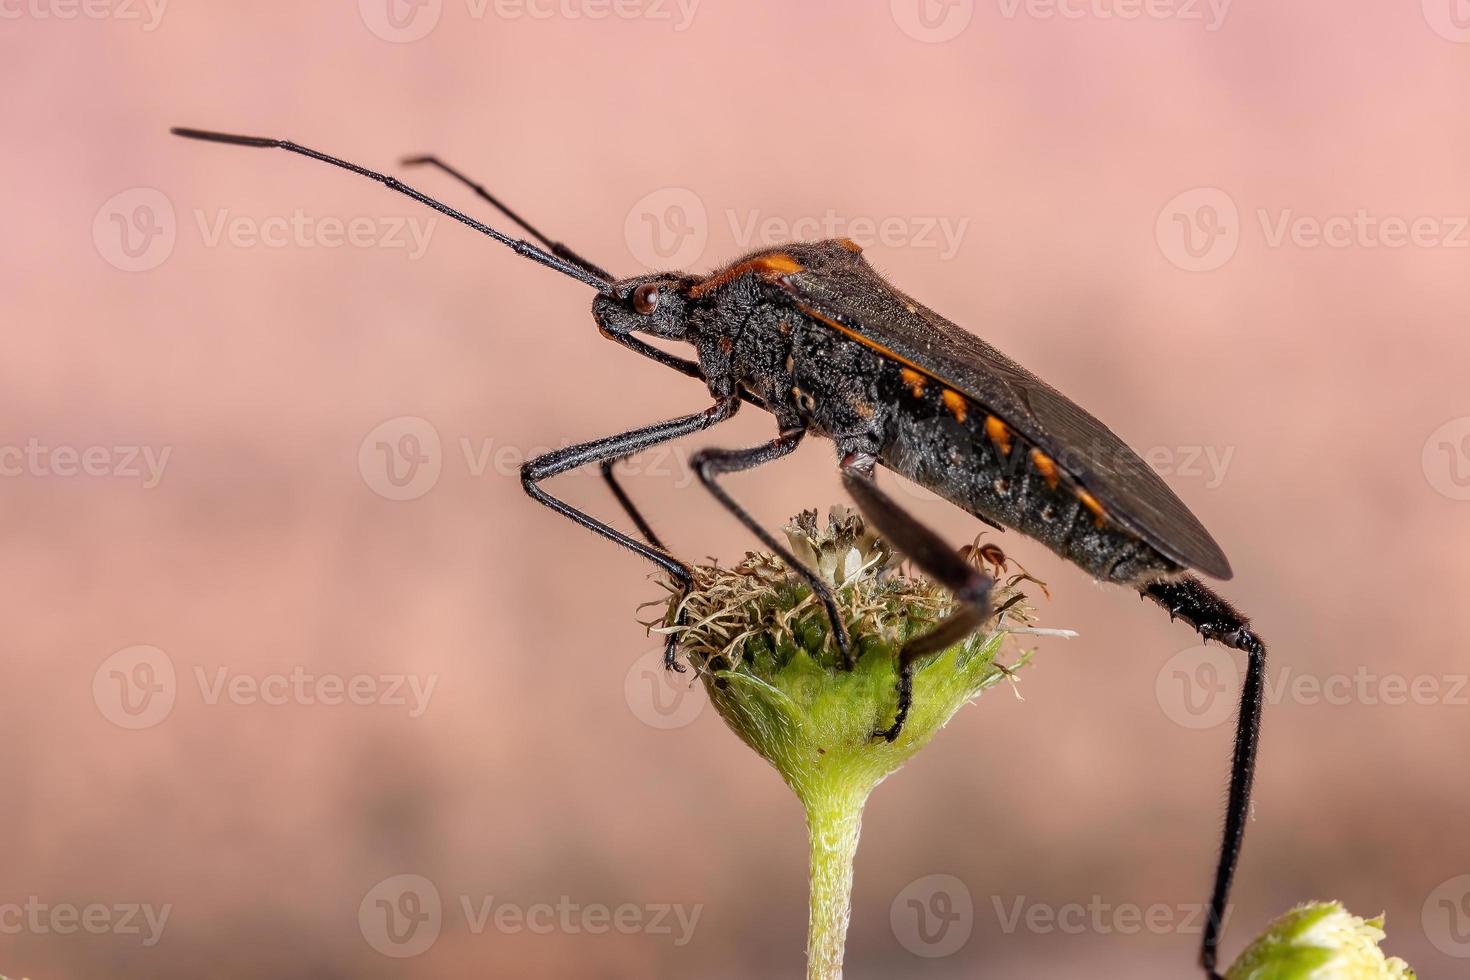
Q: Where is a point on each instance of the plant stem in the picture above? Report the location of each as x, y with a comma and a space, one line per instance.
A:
834, 819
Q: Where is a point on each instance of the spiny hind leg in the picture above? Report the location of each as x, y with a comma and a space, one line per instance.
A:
1213, 618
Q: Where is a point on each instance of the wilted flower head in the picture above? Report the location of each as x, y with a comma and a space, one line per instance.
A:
762, 644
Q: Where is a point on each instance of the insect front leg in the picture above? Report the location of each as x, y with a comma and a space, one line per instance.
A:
613, 448
1215, 619
710, 464
937, 559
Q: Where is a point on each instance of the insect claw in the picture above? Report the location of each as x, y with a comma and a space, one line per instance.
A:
671, 655
886, 734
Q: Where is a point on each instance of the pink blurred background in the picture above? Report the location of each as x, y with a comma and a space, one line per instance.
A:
1307, 398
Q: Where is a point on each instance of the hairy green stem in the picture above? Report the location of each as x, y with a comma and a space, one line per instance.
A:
834, 820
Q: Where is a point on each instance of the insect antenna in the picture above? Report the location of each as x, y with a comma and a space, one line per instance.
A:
556, 248
566, 266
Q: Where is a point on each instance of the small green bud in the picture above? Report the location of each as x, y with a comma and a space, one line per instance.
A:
1319, 941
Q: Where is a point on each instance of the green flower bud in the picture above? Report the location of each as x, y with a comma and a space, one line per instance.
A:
1319, 941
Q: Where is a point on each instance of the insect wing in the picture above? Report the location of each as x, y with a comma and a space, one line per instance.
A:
839, 287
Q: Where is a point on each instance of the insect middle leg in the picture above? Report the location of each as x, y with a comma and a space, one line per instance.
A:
1215, 619
937, 559
616, 447
626, 502
710, 464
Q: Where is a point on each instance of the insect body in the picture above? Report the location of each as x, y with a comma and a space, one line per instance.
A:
812, 334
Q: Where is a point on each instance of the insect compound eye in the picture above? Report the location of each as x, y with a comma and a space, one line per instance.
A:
645, 298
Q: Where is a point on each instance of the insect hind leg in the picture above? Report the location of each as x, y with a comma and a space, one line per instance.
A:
937, 559
1215, 619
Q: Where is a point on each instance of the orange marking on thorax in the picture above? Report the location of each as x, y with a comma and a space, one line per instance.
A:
955, 402
1091, 503
850, 245
999, 433
914, 380
1046, 466
771, 266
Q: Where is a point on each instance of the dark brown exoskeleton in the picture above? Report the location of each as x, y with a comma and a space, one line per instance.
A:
811, 333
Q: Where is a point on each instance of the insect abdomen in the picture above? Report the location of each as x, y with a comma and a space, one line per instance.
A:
947, 443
